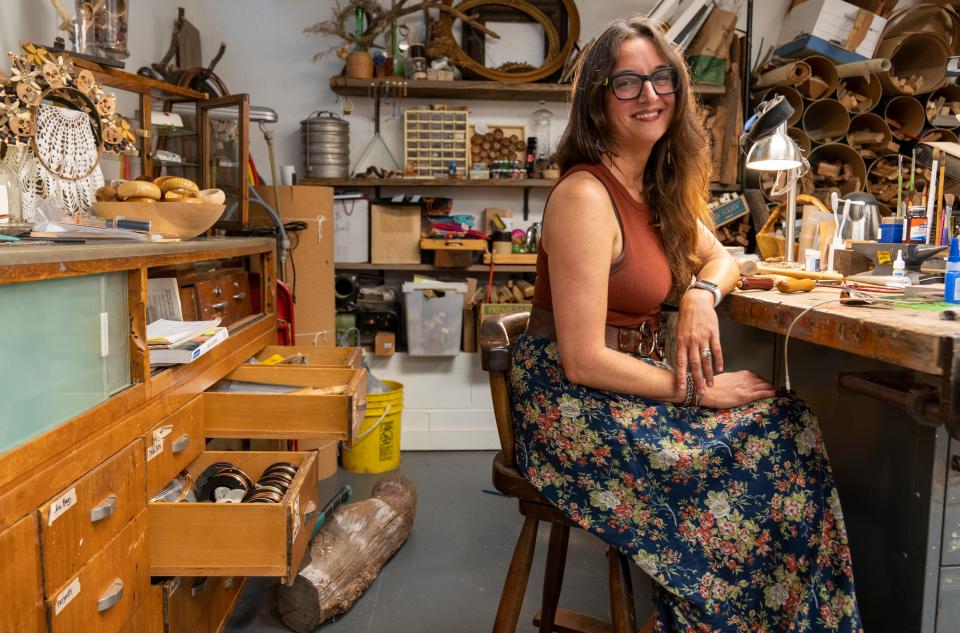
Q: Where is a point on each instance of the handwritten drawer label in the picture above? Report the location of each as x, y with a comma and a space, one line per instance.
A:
67, 595
296, 517
154, 449
61, 505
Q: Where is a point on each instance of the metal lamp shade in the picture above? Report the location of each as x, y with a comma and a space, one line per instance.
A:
775, 152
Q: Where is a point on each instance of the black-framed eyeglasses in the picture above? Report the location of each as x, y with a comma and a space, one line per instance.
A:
629, 85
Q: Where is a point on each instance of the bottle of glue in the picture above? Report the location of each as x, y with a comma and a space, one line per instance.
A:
899, 266
951, 287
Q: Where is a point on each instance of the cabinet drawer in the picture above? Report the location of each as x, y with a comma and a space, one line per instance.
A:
77, 523
237, 539
171, 445
227, 297
192, 605
225, 594
108, 590
21, 596
346, 357
299, 415
138, 622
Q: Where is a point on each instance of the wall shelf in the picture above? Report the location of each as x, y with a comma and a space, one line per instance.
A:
494, 90
476, 268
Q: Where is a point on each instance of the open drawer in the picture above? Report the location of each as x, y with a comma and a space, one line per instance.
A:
346, 357
329, 405
236, 539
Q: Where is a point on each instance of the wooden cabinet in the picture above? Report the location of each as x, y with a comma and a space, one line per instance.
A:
193, 605
108, 590
330, 404
82, 519
21, 596
237, 539
343, 357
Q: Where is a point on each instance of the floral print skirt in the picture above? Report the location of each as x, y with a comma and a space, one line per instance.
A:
734, 513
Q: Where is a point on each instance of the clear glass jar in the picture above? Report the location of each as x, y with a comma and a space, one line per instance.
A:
83, 36
9, 196
112, 29
541, 120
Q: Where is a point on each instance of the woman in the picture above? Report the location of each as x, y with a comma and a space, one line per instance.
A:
720, 490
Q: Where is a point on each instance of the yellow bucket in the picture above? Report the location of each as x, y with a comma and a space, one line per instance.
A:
376, 447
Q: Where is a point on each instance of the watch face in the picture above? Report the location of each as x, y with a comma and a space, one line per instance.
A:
708, 285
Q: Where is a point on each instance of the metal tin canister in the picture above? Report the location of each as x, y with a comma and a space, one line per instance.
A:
326, 145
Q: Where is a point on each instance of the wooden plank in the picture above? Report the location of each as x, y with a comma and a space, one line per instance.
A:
476, 268
506, 183
122, 80
913, 339
470, 89
137, 301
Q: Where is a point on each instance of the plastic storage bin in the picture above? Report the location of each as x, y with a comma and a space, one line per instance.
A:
433, 323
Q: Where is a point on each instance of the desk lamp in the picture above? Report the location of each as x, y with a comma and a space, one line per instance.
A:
772, 149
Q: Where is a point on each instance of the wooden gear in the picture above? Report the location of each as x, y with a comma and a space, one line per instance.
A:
444, 43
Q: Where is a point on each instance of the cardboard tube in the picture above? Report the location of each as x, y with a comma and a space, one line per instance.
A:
801, 139
871, 124
905, 116
946, 98
824, 69
792, 74
870, 89
941, 135
825, 121
838, 154
882, 179
865, 68
793, 98
918, 63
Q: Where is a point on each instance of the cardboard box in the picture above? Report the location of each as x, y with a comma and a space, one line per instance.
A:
394, 234
351, 223
313, 256
835, 21
385, 344
487, 310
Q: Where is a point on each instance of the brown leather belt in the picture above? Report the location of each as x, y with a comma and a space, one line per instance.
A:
646, 341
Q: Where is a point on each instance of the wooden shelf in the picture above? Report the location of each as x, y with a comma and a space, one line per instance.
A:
476, 268
492, 90
506, 183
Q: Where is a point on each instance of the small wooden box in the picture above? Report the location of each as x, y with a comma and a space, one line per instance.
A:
394, 234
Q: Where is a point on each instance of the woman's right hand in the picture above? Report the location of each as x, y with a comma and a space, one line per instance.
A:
735, 388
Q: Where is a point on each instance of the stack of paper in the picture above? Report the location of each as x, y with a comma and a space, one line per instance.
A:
179, 342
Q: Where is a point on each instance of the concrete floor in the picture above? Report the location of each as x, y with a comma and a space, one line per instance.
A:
448, 576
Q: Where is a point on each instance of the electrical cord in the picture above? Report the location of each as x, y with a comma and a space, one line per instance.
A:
291, 231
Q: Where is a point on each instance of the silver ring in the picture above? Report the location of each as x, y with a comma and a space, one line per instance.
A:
706, 353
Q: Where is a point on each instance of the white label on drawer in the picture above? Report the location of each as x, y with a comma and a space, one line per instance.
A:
296, 517
61, 505
67, 595
154, 449
161, 432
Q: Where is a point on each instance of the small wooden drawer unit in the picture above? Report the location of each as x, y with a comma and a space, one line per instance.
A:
345, 357
192, 605
21, 596
172, 444
226, 296
329, 404
237, 539
108, 590
81, 520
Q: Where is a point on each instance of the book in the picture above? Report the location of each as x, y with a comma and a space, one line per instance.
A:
189, 350
163, 299
164, 333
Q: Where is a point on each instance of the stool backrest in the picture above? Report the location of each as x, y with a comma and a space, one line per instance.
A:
498, 336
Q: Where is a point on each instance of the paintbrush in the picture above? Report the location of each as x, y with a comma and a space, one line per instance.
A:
947, 231
931, 198
935, 235
900, 212
913, 171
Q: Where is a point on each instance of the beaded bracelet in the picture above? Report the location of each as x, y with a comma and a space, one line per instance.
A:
690, 399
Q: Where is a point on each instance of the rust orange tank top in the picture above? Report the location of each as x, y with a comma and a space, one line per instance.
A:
640, 277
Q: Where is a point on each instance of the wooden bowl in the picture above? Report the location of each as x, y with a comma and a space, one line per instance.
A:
170, 219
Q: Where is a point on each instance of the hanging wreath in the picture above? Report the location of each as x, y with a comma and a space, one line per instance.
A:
36, 78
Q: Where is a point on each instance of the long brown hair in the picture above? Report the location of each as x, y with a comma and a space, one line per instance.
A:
676, 178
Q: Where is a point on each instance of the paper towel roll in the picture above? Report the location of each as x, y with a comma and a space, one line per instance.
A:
287, 173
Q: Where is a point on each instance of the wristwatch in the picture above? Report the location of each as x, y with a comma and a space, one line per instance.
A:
708, 285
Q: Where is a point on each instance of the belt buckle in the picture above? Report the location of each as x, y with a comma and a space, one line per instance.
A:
646, 334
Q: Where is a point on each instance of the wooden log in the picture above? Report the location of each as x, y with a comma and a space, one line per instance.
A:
347, 554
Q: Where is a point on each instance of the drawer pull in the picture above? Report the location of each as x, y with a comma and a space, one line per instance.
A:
311, 511
103, 509
180, 444
220, 305
217, 292
111, 597
240, 296
198, 588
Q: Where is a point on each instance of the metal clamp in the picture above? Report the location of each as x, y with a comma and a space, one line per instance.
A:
180, 444
111, 597
103, 509
920, 401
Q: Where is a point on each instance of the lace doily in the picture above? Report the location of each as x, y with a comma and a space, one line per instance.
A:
36, 183
65, 142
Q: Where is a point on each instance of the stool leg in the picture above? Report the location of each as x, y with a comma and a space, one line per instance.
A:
553, 576
621, 593
511, 600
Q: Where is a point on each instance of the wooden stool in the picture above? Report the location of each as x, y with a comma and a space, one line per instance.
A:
498, 336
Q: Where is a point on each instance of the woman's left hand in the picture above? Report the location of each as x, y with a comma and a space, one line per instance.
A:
698, 340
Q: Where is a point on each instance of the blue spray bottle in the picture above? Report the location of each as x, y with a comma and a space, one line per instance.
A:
951, 288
